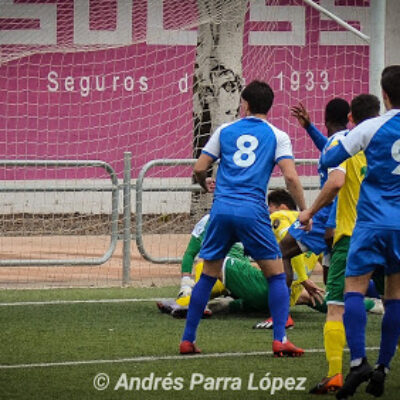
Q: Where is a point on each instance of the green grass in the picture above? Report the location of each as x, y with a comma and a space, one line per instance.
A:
111, 331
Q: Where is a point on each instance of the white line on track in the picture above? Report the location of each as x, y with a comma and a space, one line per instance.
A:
56, 302
153, 358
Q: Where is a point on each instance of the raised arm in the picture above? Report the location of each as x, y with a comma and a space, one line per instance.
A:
302, 116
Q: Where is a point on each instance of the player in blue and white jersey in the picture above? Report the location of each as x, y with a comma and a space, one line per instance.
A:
248, 150
297, 240
376, 238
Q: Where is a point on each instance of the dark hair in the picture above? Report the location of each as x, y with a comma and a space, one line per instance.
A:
336, 111
390, 82
364, 106
259, 95
282, 196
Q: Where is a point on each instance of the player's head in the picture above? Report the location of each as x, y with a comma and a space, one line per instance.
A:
364, 106
280, 199
258, 97
390, 82
336, 115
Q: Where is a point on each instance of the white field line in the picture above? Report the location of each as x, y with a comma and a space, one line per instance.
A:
153, 358
56, 302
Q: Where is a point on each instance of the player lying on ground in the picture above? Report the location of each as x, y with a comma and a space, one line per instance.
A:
375, 241
248, 150
283, 207
343, 182
246, 287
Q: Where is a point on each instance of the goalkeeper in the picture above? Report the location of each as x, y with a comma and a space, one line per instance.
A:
240, 278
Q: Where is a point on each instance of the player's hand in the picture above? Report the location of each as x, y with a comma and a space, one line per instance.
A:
210, 184
305, 219
315, 292
301, 114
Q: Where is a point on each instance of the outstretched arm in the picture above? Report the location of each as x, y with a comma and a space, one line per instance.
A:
334, 156
327, 194
301, 114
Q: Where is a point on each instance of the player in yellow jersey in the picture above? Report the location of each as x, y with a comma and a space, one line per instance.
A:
283, 215
344, 182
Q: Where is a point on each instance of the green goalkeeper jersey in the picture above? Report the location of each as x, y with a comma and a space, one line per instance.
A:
247, 284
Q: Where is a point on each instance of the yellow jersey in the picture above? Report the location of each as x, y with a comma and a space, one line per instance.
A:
303, 264
346, 211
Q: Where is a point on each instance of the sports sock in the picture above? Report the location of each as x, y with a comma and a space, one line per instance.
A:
390, 332
334, 342
200, 296
355, 320
278, 298
372, 291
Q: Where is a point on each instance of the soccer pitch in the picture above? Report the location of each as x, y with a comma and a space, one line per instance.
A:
115, 344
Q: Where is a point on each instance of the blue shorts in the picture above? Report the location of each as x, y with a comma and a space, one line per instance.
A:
371, 248
244, 222
313, 240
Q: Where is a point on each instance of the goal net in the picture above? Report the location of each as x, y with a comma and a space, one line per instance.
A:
88, 80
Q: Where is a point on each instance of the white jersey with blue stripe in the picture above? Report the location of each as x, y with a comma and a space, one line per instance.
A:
248, 150
379, 203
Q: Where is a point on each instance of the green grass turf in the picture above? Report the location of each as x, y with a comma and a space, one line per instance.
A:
111, 331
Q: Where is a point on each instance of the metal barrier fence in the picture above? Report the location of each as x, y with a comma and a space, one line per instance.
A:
182, 188
68, 163
114, 188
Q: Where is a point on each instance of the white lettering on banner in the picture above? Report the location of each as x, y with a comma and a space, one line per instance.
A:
85, 84
156, 34
312, 80
346, 13
260, 12
45, 13
85, 36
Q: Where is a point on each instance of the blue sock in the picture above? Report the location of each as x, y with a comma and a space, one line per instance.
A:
278, 298
198, 301
355, 320
372, 291
390, 332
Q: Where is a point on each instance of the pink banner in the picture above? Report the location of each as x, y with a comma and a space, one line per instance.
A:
86, 103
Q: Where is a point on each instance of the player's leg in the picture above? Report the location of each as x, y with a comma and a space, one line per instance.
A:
367, 252
390, 332
217, 242
334, 334
278, 301
200, 296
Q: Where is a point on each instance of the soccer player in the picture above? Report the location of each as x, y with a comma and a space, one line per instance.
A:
298, 240
246, 287
248, 150
283, 214
376, 238
343, 182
